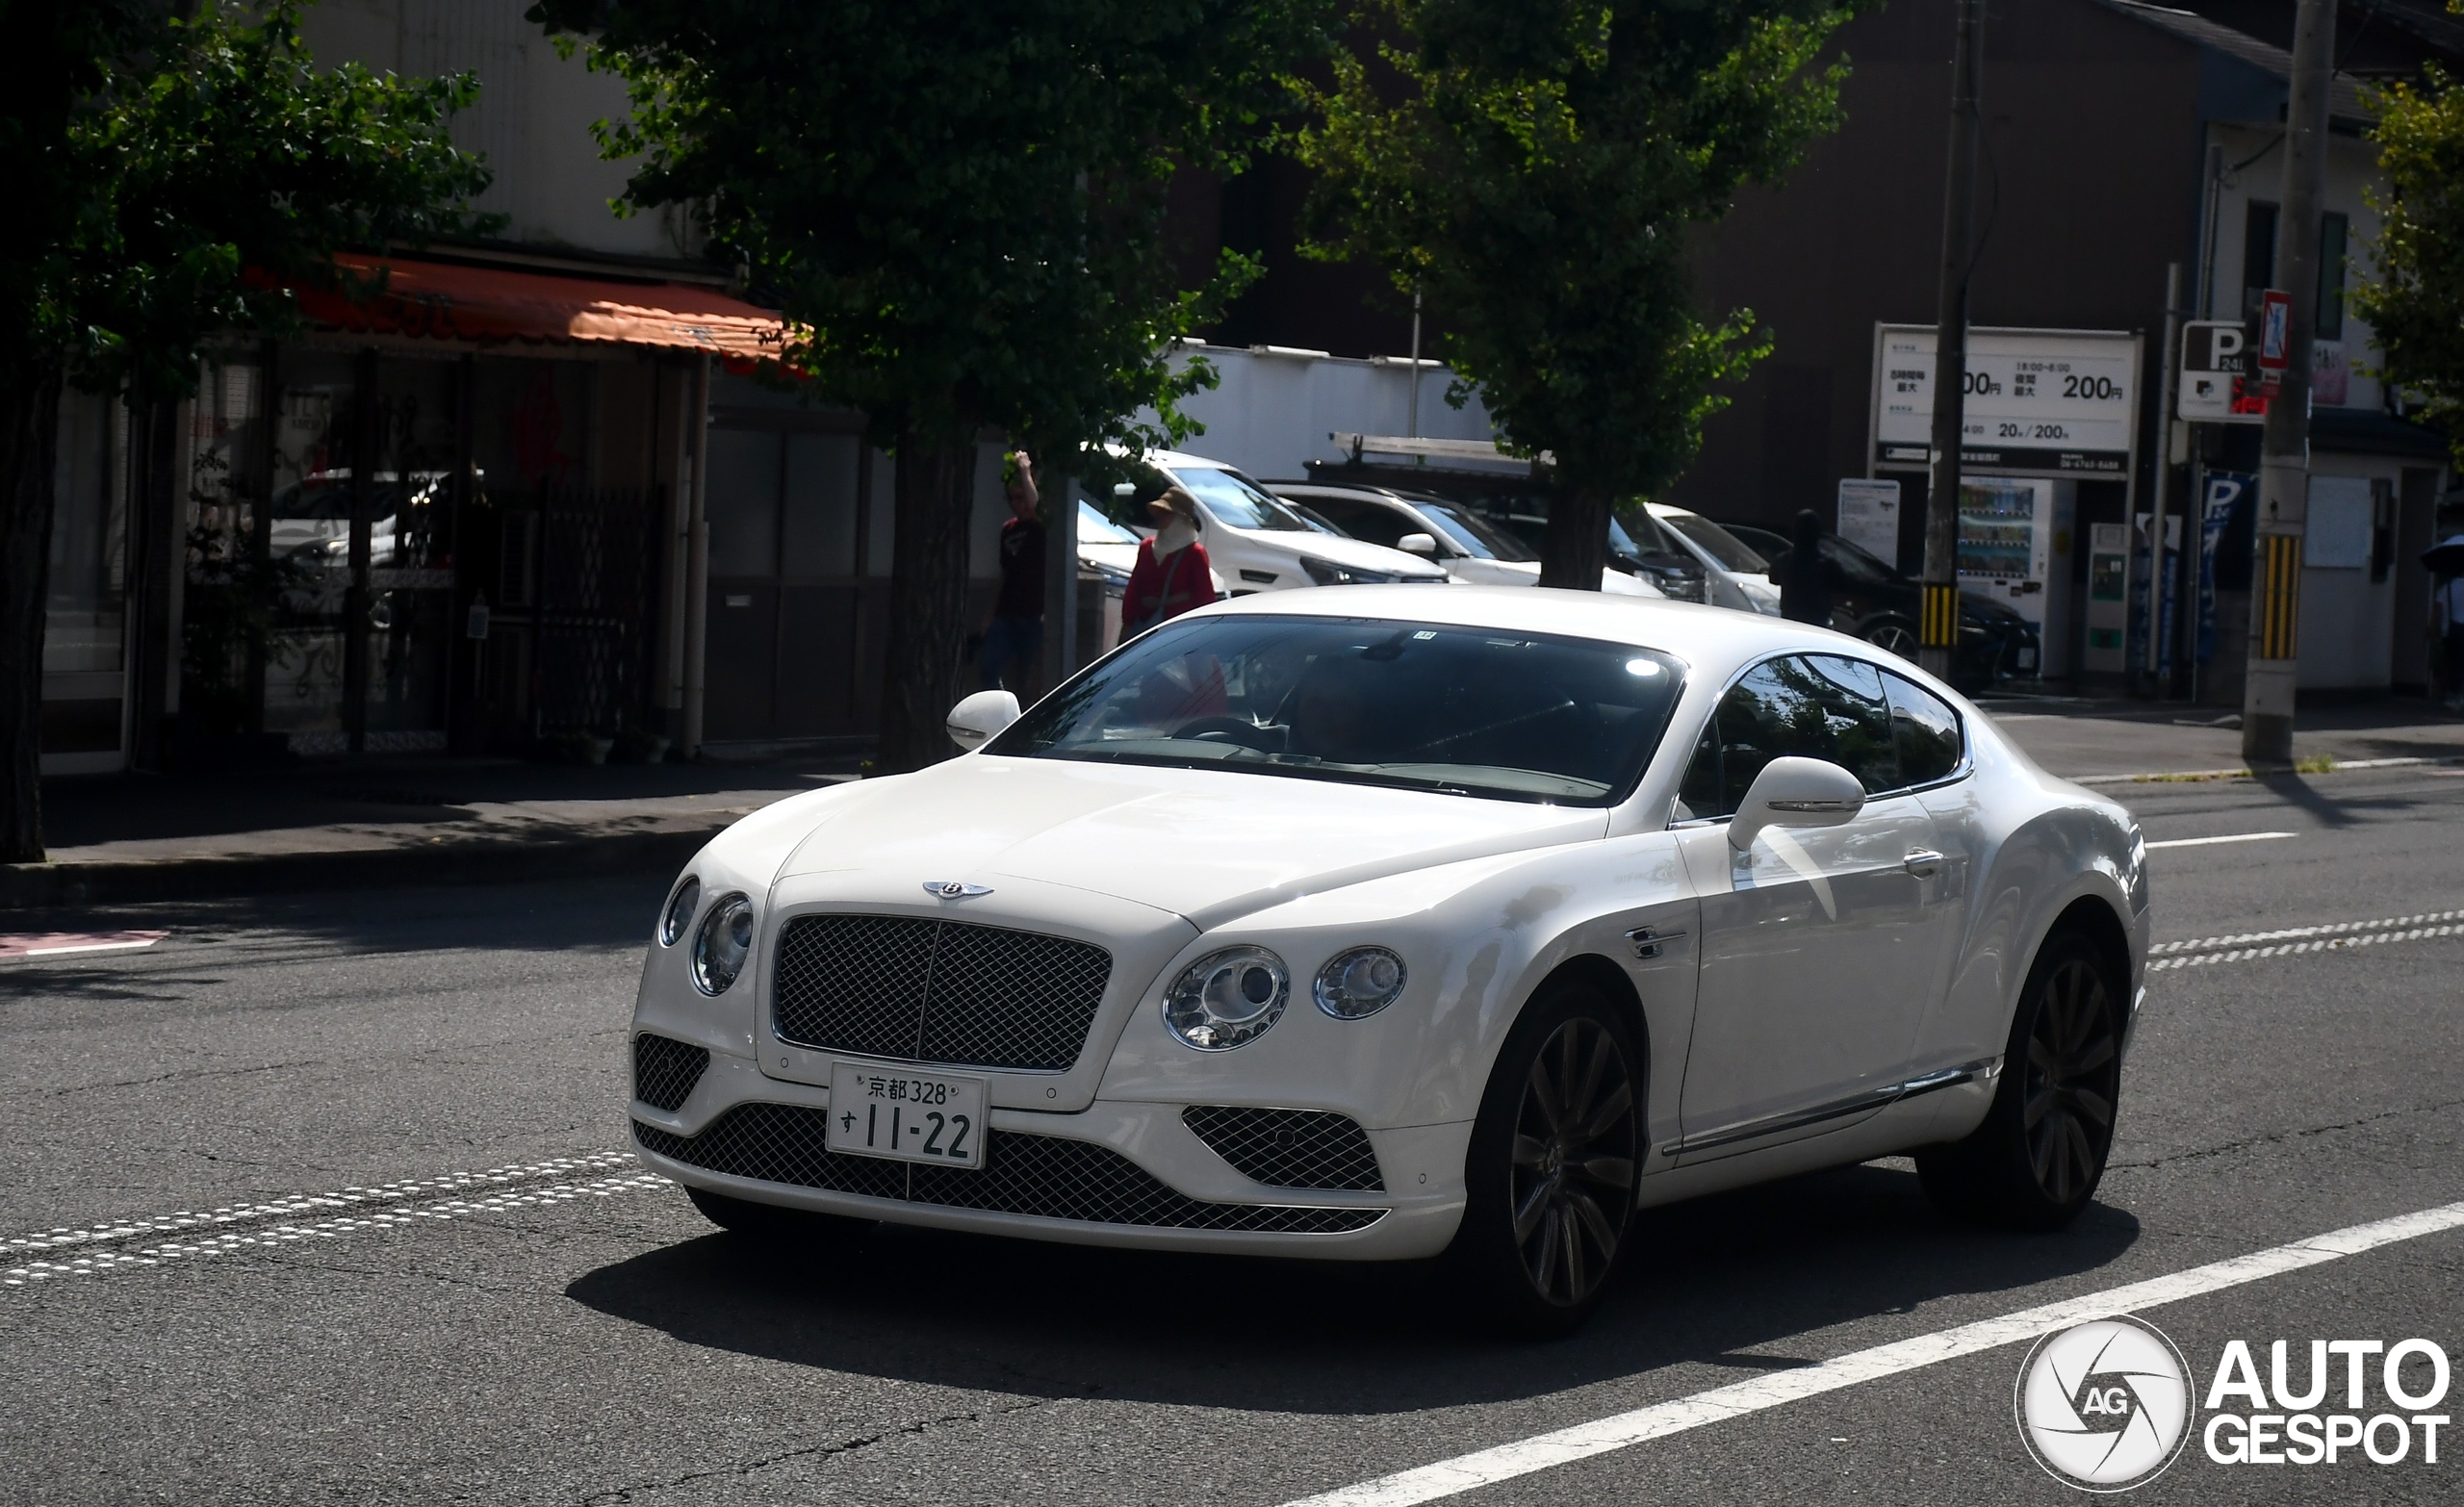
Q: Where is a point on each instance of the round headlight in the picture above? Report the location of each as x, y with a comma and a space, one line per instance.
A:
722, 944
679, 911
1359, 983
1227, 998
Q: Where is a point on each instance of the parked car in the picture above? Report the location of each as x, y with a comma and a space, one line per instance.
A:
1376, 924
1469, 546
1734, 574
1256, 543
310, 519
1873, 601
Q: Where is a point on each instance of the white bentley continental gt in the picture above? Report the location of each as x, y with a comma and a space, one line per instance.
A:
1386, 924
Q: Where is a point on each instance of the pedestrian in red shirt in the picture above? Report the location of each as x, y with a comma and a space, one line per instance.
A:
1171, 575
1013, 636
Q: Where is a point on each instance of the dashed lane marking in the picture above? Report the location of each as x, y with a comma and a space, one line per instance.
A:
292, 1205
2209, 842
2335, 936
110, 1258
1739, 1400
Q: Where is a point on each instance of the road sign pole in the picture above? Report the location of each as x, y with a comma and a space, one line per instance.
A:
2163, 491
1939, 622
2284, 467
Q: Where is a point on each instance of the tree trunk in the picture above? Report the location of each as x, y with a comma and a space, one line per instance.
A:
29, 440
1576, 548
936, 499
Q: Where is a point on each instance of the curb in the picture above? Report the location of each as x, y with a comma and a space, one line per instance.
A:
35, 887
2321, 766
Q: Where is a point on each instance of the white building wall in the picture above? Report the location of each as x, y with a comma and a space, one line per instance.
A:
1271, 413
2254, 163
532, 119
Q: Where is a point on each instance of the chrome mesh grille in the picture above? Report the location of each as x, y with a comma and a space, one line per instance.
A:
665, 1071
1045, 1176
1288, 1148
937, 991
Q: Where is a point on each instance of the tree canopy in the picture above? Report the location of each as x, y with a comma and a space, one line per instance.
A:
2415, 306
962, 215
1532, 171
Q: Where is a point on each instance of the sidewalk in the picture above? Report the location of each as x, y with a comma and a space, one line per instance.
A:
125, 839
147, 837
2114, 741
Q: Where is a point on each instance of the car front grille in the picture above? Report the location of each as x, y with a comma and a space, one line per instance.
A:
1045, 1176
665, 1071
1288, 1148
937, 991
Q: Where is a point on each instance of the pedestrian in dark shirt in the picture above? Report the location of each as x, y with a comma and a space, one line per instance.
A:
1015, 637
1805, 595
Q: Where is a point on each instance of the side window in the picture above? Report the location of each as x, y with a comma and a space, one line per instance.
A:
1373, 522
1927, 732
1807, 706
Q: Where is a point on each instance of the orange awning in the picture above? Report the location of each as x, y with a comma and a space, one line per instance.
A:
439, 300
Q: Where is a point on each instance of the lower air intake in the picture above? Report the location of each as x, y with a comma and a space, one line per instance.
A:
1045, 1176
1290, 1148
665, 1071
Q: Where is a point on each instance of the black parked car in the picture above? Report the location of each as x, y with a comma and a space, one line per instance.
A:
1878, 604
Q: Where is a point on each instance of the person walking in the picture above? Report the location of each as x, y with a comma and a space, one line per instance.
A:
1014, 636
1172, 574
1805, 595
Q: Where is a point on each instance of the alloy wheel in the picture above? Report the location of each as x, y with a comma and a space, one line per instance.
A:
1573, 1158
2072, 1079
1893, 638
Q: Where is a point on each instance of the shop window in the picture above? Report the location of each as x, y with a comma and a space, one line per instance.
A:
2331, 276
2258, 255
84, 631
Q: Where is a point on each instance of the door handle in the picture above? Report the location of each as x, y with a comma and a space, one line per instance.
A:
1924, 862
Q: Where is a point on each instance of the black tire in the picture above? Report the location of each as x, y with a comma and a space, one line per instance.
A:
769, 1222
2036, 1160
1550, 1184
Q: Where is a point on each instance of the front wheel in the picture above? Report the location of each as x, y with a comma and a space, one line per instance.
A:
1550, 1179
2036, 1160
1893, 637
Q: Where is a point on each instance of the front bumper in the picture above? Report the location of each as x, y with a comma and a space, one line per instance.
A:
1121, 1173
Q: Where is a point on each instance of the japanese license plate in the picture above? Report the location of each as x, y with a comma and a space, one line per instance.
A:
907, 1116
2025, 658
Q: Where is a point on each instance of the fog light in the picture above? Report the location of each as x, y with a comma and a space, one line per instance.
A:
1227, 998
679, 911
722, 944
1360, 982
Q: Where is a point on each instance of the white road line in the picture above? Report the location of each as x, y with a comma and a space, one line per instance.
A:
2209, 842
100, 1263
2210, 944
1524, 1457
292, 1204
2333, 944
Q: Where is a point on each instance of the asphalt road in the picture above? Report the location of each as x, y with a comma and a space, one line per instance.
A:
371, 1321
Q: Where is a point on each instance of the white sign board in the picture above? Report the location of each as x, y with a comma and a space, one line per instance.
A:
1869, 516
2337, 536
2217, 381
2039, 401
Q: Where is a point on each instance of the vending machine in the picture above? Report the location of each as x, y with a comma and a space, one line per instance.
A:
2014, 546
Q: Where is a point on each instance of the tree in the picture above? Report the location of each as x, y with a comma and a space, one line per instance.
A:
1532, 171
175, 166
959, 211
2416, 304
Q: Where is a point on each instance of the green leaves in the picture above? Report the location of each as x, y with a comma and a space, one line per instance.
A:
963, 207
2416, 304
1534, 175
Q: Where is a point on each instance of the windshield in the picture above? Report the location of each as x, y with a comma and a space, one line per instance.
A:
1094, 528
1476, 536
1467, 712
1234, 502
1718, 543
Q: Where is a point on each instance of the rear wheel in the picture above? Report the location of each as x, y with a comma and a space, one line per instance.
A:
2036, 1160
771, 1222
1549, 1178
1893, 637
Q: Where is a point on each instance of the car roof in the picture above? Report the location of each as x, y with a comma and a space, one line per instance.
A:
1711, 639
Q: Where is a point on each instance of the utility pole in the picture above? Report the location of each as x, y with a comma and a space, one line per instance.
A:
2284, 465
1938, 630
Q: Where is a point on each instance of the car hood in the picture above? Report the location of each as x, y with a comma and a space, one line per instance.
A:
1209, 845
1357, 553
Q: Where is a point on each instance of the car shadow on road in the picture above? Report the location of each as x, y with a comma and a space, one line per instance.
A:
1725, 1282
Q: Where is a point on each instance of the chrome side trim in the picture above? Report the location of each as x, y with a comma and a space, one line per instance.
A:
1838, 1108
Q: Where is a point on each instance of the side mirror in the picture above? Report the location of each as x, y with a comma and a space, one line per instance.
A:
1795, 792
972, 723
1418, 544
